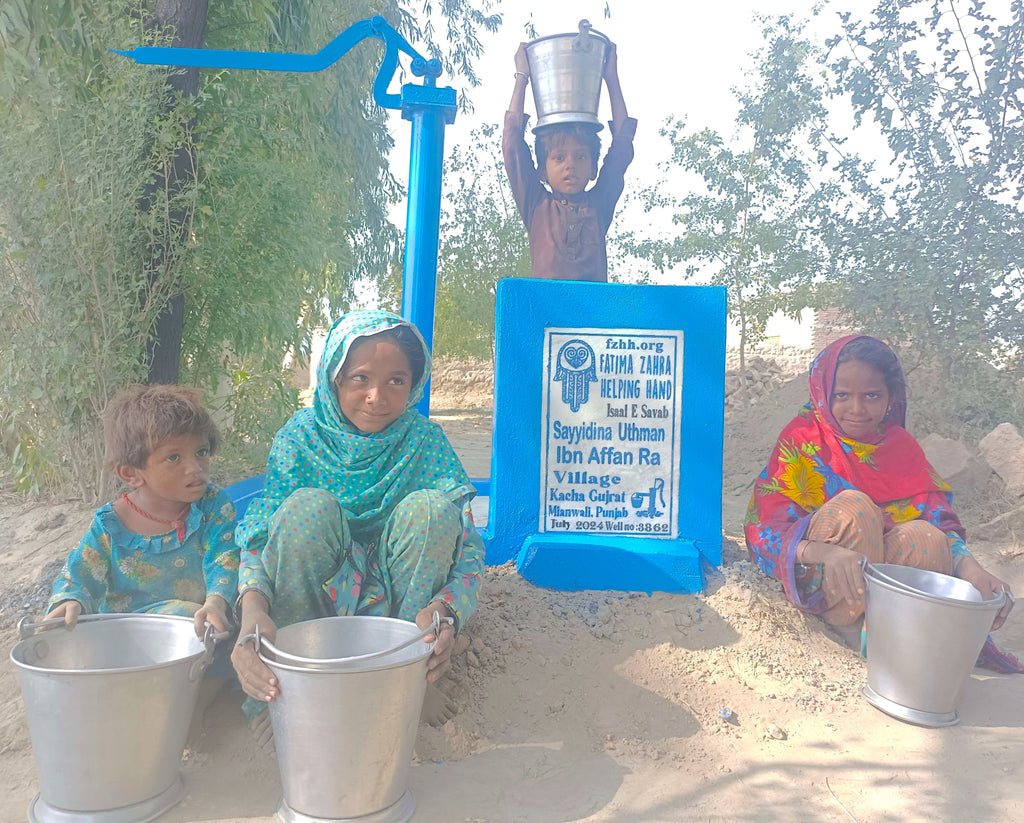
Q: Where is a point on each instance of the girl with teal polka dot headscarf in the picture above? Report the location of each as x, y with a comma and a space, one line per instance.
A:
354, 521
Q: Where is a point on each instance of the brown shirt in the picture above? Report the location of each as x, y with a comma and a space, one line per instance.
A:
567, 231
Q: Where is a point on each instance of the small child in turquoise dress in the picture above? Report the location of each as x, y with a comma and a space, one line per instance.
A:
167, 545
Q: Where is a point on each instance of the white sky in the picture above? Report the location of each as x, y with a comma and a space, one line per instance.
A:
680, 60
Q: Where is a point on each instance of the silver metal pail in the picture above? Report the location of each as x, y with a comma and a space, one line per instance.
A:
108, 706
345, 721
924, 633
565, 74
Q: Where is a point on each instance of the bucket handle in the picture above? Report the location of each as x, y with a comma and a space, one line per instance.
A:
27, 627
870, 570
210, 639
259, 640
579, 43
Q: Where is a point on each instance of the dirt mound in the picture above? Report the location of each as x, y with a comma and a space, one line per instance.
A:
750, 434
569, 650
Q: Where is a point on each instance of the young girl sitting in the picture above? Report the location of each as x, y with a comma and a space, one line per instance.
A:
847, 482
167, 545
365, 509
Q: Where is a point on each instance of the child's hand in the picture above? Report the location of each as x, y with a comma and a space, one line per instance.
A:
69, 610
522, 63
988, 584
255, 678
445, 640
214, 612
611, 63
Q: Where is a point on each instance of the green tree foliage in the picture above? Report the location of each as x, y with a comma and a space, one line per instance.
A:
932, 245
287, 208
84, 135
755, 228
482, 240
292, 195
923, 245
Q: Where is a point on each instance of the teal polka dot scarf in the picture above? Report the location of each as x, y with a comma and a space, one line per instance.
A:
369, 473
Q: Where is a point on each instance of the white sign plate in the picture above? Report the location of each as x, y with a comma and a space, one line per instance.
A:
610, 420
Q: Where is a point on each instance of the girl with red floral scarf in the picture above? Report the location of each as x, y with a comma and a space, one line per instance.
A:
846, 481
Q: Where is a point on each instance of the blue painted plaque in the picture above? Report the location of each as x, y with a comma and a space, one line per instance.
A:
606, 464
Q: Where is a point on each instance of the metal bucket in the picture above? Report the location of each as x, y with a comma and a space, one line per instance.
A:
108, 706
565, 74
924, 633
346, 718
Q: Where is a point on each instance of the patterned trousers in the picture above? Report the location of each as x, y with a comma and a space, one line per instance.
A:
852, 520
318, 570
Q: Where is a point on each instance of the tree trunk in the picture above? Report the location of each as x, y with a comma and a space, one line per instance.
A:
187, 19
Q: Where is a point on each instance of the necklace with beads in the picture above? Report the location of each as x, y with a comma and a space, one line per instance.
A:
178, 523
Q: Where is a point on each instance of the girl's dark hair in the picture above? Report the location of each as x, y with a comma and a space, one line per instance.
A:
551, 137
881, 358
409, 342
140, 417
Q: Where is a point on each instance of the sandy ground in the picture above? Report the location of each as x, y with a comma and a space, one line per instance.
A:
608, 706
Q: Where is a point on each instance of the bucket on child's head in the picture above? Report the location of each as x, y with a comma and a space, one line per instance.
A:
108, 706
924, 633
565, 74
345, 721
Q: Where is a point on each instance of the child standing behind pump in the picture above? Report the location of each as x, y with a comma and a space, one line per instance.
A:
166, 546
567, 225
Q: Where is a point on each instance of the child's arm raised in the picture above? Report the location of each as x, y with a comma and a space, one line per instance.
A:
523, 178
522, 76
611, 180
611, 79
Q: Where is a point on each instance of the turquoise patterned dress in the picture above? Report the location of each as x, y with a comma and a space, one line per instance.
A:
116, 570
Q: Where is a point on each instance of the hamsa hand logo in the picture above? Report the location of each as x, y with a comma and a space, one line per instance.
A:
575, 369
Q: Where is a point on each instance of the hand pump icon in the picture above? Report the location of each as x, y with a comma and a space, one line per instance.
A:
655, 492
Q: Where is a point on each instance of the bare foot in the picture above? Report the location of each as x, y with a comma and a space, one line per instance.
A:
263, 731
849, 636
209, 689
438, 708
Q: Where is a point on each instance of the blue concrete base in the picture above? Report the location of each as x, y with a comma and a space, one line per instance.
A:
572, 562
